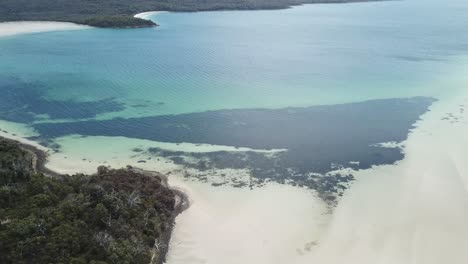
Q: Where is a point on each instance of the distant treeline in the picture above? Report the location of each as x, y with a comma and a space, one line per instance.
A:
113, 11
118, 22
115, 216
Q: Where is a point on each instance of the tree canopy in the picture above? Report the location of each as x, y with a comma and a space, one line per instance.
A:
114, 216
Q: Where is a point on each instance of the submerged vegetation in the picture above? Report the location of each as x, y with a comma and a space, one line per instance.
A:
119, 13
115, 216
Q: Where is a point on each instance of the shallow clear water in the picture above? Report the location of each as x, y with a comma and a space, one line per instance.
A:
309, 55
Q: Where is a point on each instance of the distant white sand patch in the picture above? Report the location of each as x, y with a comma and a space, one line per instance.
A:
414, 212
26, 27
147, 15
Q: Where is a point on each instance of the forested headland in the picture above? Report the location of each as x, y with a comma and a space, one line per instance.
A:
114, 216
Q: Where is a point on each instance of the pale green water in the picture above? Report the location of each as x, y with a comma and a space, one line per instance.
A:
315, 54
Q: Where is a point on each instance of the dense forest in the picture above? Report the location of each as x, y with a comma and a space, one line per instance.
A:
118, 22
115, 216
85, 11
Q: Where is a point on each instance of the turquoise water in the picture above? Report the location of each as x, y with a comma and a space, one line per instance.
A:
309, 55
155, 84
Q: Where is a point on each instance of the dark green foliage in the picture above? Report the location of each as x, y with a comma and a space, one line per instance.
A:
118, 22
15, 163
112, 217
82, 11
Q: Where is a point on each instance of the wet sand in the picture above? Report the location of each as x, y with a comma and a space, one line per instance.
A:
413, 212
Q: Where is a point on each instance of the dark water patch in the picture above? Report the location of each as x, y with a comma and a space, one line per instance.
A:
25, 102
414, 58
137, 150
139, 105
323, 132
318, 139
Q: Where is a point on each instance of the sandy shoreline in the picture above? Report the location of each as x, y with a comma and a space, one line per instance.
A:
413, 212
147, 15
27, 27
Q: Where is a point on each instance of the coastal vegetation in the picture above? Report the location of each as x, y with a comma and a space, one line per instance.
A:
119, 13
114, 216
118, 22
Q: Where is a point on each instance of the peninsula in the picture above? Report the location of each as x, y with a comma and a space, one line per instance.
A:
113, 216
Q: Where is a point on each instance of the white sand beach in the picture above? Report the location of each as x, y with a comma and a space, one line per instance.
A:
26, 27
147, 15
273, 224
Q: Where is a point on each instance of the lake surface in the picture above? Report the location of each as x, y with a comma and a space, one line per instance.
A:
259, 74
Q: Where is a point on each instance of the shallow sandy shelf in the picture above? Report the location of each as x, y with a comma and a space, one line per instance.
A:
26, 27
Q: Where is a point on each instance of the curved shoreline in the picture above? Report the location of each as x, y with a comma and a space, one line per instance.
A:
146, 15
182, 203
